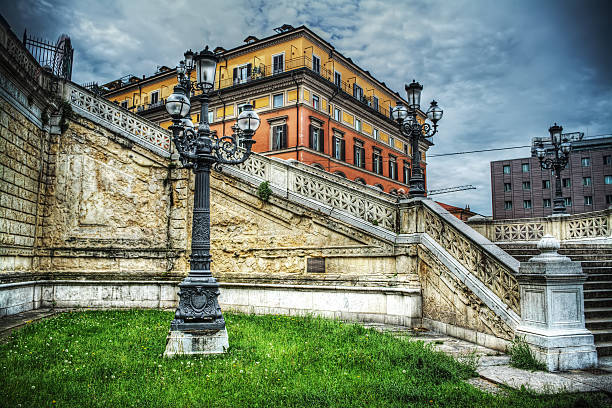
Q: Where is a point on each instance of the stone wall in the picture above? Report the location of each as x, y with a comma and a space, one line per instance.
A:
24, 149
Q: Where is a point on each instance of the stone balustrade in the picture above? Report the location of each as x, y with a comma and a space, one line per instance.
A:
591, 226
128, 124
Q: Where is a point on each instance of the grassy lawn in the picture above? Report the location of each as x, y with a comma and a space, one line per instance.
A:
113, 359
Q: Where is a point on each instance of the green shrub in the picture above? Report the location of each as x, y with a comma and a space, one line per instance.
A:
521, 356
264, 192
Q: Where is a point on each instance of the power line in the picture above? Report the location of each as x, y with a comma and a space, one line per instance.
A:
504, 148
477, 151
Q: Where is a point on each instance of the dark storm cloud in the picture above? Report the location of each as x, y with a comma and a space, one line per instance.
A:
503, 71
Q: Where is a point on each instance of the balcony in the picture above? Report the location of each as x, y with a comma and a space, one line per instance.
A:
266, 71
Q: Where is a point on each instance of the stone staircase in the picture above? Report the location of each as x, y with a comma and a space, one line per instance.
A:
596, 261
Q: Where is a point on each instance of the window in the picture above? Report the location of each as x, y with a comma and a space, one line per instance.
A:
545, 184
279, 137
316, 64
507, 187
588, 200
211, 115
526, 185
278, 63
375, 102
358, 125
586, 162
377, 162
278, 101
338, 147
391, 141
124, 104
338, 79
586, 181
507, 205
316, 138
357, 92
315, 101
375, 134
393, 167
607, 160
567, 183
567, 201
337, 114
546, 203
154, 97
506, 169
359, 154
525, 167
608, 199
242, 74
406, 172
607, 179
527, 204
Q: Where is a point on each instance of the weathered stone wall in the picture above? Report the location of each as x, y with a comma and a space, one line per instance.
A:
24, 150
448, 301
108, 213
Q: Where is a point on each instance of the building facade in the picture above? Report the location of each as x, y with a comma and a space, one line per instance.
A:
520, 188
316, 106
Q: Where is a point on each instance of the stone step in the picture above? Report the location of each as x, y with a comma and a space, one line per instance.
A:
597, 312
604, 348
602, 335
597, 302
597, 293
592, 277
598, 323
597, 285
597, 264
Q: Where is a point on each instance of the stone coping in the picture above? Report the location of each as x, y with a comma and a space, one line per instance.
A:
491, 248
367, 289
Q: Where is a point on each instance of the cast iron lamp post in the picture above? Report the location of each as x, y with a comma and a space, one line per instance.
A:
199, 314
561, 148
413, 130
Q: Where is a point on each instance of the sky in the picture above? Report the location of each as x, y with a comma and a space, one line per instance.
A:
503, 71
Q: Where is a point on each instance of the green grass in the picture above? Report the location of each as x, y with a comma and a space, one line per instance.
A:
113, 359
521, 356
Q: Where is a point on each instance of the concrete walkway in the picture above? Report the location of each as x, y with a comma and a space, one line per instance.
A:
493, 366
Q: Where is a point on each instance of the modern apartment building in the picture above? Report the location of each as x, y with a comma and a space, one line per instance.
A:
520, 188
316, 106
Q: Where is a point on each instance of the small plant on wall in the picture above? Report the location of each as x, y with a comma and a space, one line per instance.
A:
263, 191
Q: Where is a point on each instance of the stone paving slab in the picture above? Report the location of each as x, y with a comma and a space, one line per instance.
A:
9, 323
538, 381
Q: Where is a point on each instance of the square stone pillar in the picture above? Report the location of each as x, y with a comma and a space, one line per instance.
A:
552, 309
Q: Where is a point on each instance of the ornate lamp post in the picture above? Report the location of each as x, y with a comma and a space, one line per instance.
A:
198, 326
561, 148
410, 128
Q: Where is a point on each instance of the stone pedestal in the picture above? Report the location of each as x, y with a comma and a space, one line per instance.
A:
552, 310
187, 342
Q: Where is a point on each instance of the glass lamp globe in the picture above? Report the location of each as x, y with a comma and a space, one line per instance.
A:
399, 113
566, 146
187, 123
540, 151
177, 104
555, 134
189, 59
248, 120
413, 91
206, 68
435, 112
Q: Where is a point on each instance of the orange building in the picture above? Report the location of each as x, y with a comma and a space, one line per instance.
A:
316, 106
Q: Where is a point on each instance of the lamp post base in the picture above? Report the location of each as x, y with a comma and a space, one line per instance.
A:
181, 343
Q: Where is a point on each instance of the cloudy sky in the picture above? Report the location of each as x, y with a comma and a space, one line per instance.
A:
503, 71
